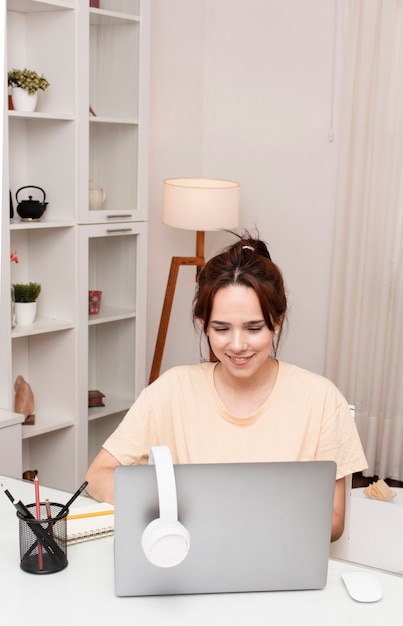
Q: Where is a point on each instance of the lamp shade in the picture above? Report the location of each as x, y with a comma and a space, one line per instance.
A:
200, 203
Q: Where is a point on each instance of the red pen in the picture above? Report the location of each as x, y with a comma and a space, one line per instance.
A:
38, 516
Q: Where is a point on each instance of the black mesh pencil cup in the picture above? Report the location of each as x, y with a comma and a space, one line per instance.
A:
43, 542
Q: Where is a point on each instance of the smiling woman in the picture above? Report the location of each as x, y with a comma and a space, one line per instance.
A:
246, 405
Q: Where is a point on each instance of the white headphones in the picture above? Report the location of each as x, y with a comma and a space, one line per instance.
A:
165, 541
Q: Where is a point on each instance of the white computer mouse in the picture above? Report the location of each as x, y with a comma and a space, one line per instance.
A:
363, 586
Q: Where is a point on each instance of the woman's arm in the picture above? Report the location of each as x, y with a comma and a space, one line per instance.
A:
339, 506
100, 476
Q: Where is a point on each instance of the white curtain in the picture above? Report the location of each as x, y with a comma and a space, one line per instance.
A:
364, 353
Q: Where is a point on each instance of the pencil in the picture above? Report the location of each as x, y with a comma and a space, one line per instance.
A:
38, 516
90, 514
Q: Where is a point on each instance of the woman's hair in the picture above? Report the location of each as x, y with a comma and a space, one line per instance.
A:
247, 262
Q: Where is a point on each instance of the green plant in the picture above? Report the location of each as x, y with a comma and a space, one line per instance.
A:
26, 292
28, 80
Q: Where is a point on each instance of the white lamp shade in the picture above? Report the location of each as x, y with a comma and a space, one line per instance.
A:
200, 203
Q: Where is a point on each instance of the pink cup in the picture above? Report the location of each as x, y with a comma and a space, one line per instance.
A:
94, 302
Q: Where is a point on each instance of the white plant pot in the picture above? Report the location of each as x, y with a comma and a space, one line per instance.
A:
25, 313
22, 100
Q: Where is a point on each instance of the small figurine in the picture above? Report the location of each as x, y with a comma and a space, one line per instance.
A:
24, 400
30, 474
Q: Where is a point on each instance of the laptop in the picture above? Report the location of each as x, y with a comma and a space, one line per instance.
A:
253, 527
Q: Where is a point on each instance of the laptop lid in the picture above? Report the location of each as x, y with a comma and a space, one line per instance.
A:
253, 527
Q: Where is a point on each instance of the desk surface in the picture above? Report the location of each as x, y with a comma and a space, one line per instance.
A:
84, 591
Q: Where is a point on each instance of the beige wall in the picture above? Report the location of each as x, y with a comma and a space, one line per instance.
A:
243, 90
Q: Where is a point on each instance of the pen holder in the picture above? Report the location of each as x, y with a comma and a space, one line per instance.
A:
43, 542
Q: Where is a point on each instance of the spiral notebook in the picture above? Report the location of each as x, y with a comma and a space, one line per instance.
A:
92, 521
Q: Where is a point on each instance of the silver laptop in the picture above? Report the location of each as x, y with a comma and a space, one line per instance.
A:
253, 527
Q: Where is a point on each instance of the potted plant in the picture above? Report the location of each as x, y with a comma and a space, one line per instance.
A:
25, 297
25, 85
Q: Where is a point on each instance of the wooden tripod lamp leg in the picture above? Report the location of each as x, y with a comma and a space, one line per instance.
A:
165, 315
176, 262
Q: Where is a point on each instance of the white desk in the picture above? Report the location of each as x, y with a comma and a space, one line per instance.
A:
376, 531
84, 591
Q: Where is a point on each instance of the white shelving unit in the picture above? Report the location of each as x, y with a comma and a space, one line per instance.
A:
102, 65
115, 336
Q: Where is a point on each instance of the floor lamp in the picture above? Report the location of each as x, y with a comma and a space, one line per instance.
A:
197, 204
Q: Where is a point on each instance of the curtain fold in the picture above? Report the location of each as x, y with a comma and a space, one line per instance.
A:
364, 351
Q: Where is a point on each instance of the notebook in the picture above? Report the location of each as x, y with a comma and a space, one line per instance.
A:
253, 527
92, 521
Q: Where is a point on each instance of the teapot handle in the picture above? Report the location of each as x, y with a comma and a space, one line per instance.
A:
31, 187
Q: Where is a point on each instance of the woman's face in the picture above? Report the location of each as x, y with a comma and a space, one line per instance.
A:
237, 331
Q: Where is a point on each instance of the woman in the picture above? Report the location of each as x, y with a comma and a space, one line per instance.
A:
246, 405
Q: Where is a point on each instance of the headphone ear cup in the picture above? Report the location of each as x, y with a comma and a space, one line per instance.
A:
165, 544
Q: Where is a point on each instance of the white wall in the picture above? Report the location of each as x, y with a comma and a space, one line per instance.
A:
243, 90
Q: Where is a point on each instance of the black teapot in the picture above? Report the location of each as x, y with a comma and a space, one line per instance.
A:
31, 209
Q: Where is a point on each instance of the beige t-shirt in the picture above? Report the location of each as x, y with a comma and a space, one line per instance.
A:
305, 418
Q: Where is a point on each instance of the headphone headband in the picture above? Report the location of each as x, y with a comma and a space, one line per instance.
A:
168, 503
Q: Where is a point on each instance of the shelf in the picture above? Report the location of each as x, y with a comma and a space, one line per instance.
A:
9, 418
97, 119
113, 404
110, 314
39, 115
40, 326
44, 424
21, 225
100, 17
34, 6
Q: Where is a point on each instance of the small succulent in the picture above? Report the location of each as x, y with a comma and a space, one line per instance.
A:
26, 292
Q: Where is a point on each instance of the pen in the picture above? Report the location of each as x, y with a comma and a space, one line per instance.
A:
73, 497
49, 515
22, 509
8, 494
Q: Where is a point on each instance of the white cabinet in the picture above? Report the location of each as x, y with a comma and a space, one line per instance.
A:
89, 125
10, 444
118, 44
113, 340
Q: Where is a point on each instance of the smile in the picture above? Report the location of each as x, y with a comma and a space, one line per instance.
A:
239, 360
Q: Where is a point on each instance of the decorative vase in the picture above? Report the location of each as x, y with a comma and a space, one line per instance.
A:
22, 100
96, 197
25, 313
